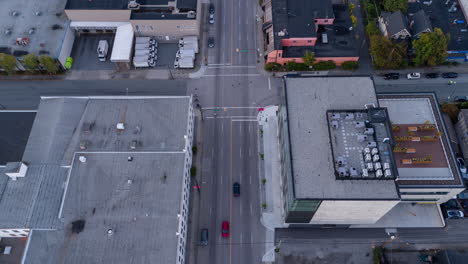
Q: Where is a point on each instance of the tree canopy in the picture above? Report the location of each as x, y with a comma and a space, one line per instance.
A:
431, 48
8, 63
49, 64
386, 54
309, 58
30, 62
395, 5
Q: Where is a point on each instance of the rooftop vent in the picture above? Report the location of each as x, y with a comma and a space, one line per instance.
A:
110, 232
84, 144
120, 126
82, 159
38, 13
16, 170
191, 14
133, 5
134, 144
31, 31
8, 32
15, 13
88, 127
78, 226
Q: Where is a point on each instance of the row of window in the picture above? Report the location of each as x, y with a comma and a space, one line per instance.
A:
424, 193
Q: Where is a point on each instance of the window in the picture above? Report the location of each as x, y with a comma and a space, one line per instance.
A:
85, 30
424, 193
294, 41
309, 41
420, 200
325, 21
99, 31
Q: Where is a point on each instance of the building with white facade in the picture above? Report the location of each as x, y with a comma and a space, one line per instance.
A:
102, 180
341, 155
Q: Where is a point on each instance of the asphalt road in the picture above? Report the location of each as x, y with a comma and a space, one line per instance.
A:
440, 86
26, 94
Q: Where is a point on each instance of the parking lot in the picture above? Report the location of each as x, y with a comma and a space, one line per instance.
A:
166, 54
84, 52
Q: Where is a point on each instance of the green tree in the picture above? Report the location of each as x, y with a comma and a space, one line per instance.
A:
353, 20
309, 58
372, 29
350, 65
431, 48
324, 65
395, 5
49, 64
273, 66
294, 66
8, 63
386, 54
371, 10
30, 62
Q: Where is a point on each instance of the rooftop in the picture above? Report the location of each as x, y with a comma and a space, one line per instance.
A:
13, 140
422, 152
130, 198
138, 199
296, 18
308, 100
145, 5
44, 24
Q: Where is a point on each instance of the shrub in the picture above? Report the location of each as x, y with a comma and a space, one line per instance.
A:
262, 156
264, 205
193, 171
194, 150
353, 20
451, 110
324, 65
49, 64
263, 180
350, 65
8, 63
30, 62
273, 66
372, 29
294, 66
309, 58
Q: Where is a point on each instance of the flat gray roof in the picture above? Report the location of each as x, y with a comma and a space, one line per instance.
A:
49, 27
131, 198
308, 99
14, 136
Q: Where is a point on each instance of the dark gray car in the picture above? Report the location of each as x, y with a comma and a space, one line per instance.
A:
204, 237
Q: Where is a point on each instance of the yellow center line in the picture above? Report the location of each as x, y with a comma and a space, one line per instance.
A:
230, 203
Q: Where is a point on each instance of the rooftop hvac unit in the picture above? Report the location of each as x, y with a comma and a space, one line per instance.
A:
360, 124
191, 14
349, 116
370, 166
133, 144
367, 157
377, 165
336, 116
375, 158
378, 173
374, 151
388, 173
365, 173
371, 144
84, 144
334, 124
133, 5
341, 161
366, 151
386, 165
120, 126
369, 131
87, 127
353, 172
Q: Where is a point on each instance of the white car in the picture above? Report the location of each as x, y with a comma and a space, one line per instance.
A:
211, 18
455, 214
413, 75
461, 165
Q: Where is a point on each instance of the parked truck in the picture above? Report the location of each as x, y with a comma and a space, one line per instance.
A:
102, 49
188, 39
184, 63
189, 45
144, 46
144, 40
185, 53
145, 52
143, 62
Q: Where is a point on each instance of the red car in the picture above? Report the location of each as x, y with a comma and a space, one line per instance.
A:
225, 229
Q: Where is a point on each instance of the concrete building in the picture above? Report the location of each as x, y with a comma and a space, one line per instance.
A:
292, 28
342, 159
102, 180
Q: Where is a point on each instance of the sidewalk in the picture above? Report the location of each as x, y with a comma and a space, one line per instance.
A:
271, 194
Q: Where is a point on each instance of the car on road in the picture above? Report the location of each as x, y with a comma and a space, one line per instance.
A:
225, 229
432, 75
211, 18
461, 165
204, 237
236, 189
211, 42
449, 75
460, 99
413, 76
392, 76
454, 214
212, 9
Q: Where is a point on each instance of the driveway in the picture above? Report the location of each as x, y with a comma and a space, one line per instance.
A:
84, 52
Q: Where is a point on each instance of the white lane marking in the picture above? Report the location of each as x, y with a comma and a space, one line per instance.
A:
244, 120
251, 212
210, 211
230, 75
241, 239
212, 154
240, 209
269, 84
229, 117
249, 128
221, 180
233, 107
240, 152
240, 128
222, 128
250, 183
251, 238
250, 151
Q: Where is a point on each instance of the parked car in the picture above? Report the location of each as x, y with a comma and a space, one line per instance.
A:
204, 237
449, 75
236, 189
225, 229
461, 165
212, 9
413, 76
455, 214
432, 75
392, 76
460, 99
211, 42
211, 18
